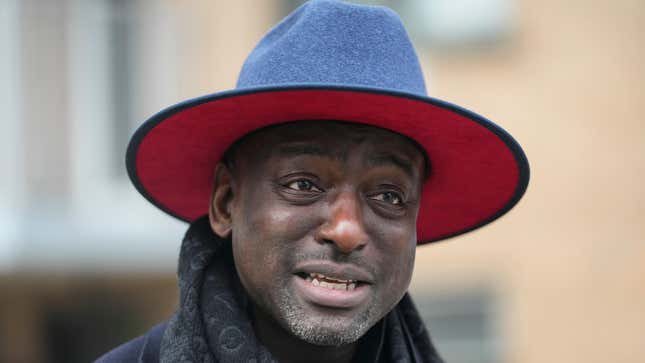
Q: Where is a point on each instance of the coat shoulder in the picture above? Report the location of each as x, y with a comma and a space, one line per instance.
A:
143, 349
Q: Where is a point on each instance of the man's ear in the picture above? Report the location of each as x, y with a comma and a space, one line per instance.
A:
221, 203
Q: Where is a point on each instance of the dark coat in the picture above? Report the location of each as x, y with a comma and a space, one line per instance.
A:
143, 349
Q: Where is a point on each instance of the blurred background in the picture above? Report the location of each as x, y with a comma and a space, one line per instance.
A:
86, 263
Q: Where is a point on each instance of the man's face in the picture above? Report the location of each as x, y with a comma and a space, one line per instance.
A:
323, 222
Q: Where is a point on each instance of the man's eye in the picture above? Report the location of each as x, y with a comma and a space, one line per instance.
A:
389, 197
303, 185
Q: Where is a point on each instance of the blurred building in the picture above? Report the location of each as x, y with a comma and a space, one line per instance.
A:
86, 263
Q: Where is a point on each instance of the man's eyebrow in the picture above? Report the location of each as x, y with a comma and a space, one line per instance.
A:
392, 159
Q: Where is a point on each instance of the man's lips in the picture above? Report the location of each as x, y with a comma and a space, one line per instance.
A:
332, 285
334, 271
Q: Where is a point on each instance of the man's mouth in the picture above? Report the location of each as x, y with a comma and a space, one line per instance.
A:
327, 282
333, 285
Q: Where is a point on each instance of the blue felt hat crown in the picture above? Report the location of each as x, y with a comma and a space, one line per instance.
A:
328, 42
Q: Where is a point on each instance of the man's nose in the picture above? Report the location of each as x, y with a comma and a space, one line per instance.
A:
344, 226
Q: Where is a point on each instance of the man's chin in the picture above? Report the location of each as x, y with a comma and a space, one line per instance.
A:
324, 328
322, 325
314, 333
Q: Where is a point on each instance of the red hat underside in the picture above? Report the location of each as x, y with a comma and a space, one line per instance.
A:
475, 176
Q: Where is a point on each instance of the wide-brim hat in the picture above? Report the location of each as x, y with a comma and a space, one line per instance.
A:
330, 60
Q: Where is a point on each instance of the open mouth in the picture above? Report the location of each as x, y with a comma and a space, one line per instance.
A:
327, 282
328, 291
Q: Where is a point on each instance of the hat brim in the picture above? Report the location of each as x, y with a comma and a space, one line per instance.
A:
479, 171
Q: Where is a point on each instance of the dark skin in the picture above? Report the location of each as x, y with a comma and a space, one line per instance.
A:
320, 197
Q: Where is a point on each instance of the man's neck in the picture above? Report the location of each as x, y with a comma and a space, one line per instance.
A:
287, 348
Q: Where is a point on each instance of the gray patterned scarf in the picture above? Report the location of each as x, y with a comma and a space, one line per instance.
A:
212, 322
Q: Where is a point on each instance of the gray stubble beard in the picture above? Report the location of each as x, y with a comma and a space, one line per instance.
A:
318, 331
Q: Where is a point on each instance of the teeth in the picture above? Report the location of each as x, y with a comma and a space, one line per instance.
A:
330, 279
339, 286
319, 280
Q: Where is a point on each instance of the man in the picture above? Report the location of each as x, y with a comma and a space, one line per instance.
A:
308, 188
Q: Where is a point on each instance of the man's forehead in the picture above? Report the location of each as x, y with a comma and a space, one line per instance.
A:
334, 140
324, 138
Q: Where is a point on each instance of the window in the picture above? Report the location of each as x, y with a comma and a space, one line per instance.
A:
112, 86
449, 23
121, 31
463, 326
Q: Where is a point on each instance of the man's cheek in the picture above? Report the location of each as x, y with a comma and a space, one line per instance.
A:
399, 275
279, 225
